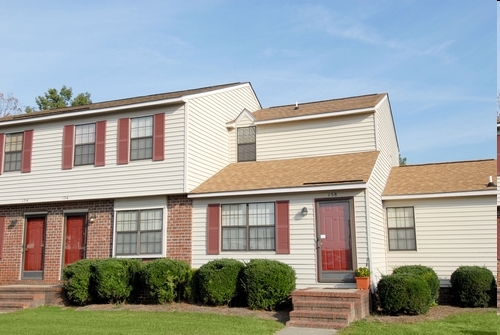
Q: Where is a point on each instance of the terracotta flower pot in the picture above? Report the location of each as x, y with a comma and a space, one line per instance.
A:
363, 283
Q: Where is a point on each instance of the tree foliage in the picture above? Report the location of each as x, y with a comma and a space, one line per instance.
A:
402, 160
8, 105
58, 99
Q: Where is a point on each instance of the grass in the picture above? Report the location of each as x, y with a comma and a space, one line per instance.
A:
56, 320
459, 324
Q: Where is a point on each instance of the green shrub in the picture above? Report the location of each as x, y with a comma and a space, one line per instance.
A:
192, 287
404, 294
77, 282
424, 272
220, 281
267, 283
112, 280
134, 269
165, 279
472, 286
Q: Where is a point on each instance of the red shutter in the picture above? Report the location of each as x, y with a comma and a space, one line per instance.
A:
27, 150
68, 140
498, 155
213, 228
100, 143
159, 137
2, 147
123, 141
2, 229
282, 227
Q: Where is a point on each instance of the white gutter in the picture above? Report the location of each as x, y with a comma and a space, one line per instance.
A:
299, 189
439, 195
316, 116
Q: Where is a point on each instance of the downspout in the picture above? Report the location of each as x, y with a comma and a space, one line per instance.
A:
368, 235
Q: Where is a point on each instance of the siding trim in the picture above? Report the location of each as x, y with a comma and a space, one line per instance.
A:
27, 151
213, 229
123, 144
2, 148
100, 143
68, 147
159, 137
282, 227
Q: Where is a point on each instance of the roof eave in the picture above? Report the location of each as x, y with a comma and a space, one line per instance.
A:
281, 190
440, 195
316, 116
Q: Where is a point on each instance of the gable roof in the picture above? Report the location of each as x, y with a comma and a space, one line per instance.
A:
287, 173
319, 107
434, 178
116, 103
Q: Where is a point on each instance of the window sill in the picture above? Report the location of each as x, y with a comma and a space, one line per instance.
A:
140, 256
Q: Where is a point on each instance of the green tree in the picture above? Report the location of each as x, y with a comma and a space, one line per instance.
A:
402, 160
8, 105
53, 99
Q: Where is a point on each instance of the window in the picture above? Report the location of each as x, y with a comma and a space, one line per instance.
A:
246, 144
141, 138
84, 144
139, 232
248, 226
13, 152
401, 224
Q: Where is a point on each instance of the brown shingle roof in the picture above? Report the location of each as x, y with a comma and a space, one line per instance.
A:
327, 106
312, 171
116, 103
441, 178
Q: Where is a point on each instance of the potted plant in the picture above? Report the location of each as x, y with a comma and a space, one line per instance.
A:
362, 276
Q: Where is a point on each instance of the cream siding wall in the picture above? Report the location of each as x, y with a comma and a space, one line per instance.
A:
450, 232
302, 257
319, 137
48, 182
208, 139
388, 157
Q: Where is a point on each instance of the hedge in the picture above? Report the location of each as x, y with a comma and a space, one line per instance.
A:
404, 294
424, 272
220, 281
165, 279
473, 286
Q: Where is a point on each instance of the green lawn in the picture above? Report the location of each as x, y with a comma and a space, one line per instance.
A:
55, 320
478, 323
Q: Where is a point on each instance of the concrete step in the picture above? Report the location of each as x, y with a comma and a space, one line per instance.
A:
311, 324
317, 316
326, 306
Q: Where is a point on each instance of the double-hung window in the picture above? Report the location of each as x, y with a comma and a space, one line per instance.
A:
13, 152
141, 138
139, 232
401, 225
84, 144
246, 144
248, 226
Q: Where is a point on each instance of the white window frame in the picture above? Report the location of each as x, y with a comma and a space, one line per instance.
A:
389, 229
139, 138
164, 232
5, 153
89, 144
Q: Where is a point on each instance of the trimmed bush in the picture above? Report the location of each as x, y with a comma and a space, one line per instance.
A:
220, 281
112, 280
165, 279
134, 269
424, 272
472, 286
404, 294
267, 283
192, 287
77, 282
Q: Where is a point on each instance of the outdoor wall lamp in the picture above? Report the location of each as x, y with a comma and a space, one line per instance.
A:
304, 211
92, 219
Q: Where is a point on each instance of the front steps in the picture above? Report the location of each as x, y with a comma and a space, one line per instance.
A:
17, 297
328, 308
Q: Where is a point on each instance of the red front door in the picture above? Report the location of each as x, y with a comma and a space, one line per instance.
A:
335, 237
33, 250
74, 246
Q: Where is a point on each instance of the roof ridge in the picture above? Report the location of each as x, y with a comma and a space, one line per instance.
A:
318, 101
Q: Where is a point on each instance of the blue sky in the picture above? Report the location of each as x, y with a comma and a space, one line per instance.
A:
436, 59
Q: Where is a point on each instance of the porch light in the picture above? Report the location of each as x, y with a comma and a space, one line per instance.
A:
92, 219
304, 211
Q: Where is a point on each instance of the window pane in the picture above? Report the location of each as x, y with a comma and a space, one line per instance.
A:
85, 134
233, 215
141, 148
246, 135
151, 243
127, 221
12, 161
13, 152
246, 152
234, 238
84, 154
141, 127
14, 142
126, 243
151, 219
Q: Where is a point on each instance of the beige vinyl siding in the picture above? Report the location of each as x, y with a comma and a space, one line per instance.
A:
208, 138
48, 182
388, 157
303, 252
450, 232
318, 137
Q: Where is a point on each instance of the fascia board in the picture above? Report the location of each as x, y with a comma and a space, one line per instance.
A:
316, 116
439, 195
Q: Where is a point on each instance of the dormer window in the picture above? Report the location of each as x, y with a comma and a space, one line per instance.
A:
246, 144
